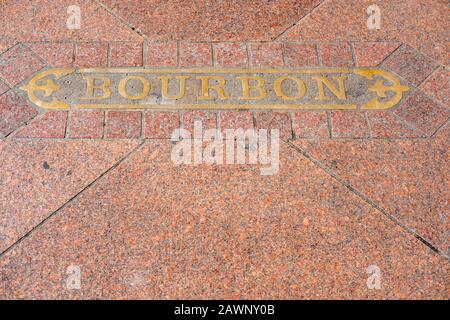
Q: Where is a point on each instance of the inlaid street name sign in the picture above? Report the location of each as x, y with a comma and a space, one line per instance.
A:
203, 88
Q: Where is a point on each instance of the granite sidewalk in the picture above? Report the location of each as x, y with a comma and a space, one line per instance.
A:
94, 194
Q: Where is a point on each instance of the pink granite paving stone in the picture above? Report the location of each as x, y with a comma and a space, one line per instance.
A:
207, 119
423, 112
266, 54
90, 55
236, 120
231, 54
275, 120
18, 63
346, 197
123, 124
14, 112
296, 54
3, 87
410, 64
160, 124
371, 54
51, 124
336, 55
310, 125
86, 124
387, 125
195, 54
126, 54
162, 54
55, 54
438, 85
346, 124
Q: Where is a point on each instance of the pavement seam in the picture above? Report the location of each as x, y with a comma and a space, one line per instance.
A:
67, 203
365, 198
122, 20
298, 21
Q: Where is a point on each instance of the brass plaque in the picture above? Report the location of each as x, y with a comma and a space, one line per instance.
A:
211, 89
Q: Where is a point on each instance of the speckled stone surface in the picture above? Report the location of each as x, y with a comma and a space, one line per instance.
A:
14, 112
422, 24
171, 239
86, 124
213, 20
406, 178
354, 188
40, 176
18, 63
44, 20
51, 124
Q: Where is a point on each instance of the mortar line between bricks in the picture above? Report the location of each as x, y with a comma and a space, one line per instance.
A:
298, 21
369, 201
121, 20
40, 224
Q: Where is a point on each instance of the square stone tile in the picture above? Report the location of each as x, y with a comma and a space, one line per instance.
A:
162, 54
438, 85
195, 54
160, 124
91, 55
86, 124
14, 112
423, 112
297, 54
266, 54
371, 54
410, 64
336, 55
231, 54
19, 63
235, 120
310, 124
207, 118
123, 124
348, 124
59, 54
126, 54
275, 120
51, 124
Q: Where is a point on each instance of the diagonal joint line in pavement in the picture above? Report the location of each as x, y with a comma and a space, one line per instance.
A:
298, 21
30, 232
369, 201
121, 20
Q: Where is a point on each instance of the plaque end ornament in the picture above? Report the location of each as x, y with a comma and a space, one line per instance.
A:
48, 86
380, 89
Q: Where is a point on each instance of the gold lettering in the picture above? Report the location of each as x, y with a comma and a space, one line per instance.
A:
279, 90
246, 87
339, 93
91, 87
165, 87
218, 87
123, 87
